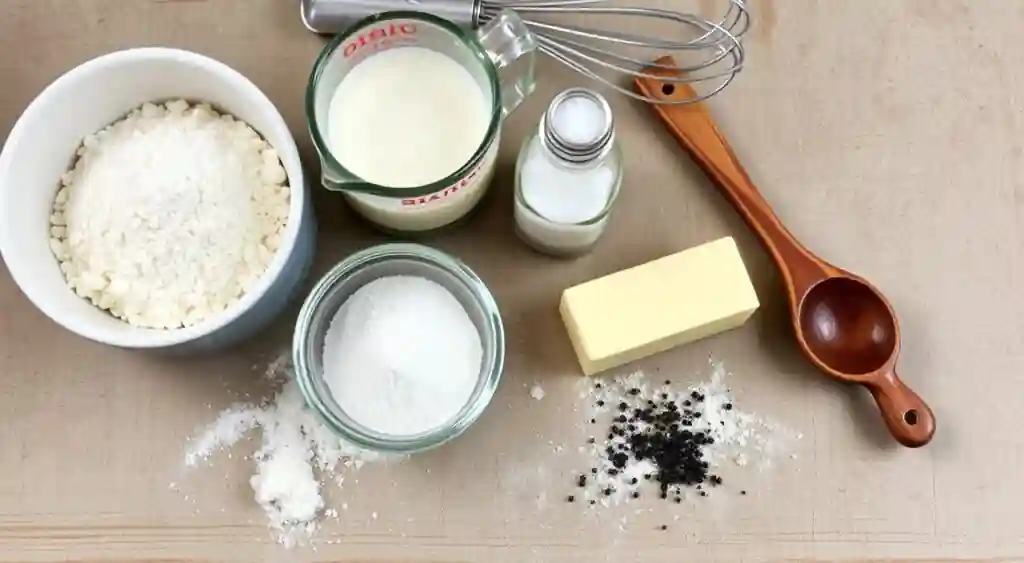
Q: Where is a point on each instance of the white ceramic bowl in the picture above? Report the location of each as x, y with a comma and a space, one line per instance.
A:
98, 92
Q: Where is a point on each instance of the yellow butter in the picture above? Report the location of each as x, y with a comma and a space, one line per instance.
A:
655, 306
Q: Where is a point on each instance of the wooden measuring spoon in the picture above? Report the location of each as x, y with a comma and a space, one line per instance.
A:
843, 324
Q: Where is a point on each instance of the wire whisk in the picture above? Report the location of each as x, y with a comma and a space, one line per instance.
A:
717, 44
707, 50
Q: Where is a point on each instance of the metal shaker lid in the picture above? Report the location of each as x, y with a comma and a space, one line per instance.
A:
578, 126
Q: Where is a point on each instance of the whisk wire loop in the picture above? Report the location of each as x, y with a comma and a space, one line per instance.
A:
601, 54
706, 50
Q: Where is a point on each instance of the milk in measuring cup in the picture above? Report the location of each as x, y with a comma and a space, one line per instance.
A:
407, 117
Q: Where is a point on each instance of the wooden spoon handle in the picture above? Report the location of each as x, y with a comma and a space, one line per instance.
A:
908, 417
695, 130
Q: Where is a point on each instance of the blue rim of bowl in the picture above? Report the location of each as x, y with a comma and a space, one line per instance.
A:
365, 438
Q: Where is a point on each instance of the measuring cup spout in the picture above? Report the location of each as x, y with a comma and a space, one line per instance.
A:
338, 181
507, 40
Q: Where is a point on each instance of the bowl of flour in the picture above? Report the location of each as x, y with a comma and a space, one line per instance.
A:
399, 348
154, 198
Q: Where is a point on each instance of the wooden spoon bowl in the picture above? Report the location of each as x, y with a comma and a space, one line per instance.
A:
843, 324
848, 326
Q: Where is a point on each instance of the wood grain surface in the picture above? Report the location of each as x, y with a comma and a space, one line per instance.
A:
887, 134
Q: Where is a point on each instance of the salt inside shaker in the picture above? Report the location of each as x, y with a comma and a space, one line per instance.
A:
568, 175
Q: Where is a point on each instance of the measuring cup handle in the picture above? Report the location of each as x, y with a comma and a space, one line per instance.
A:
908, 417
506, 39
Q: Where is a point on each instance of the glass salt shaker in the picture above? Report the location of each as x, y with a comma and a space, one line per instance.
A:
568, 175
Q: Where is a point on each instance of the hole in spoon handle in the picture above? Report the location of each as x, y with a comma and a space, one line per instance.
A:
908, 417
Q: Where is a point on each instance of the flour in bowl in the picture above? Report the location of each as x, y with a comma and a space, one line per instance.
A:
169, 215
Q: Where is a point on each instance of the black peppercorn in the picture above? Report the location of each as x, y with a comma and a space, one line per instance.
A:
661, 434
619, 460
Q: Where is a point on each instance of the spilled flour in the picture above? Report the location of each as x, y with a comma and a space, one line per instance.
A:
297, 456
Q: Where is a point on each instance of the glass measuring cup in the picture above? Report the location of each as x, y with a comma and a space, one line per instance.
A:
486, 53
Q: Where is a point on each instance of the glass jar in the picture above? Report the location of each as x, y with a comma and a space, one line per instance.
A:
341, 282
568, 175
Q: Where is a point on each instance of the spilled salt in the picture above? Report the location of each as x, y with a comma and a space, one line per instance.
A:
297, 456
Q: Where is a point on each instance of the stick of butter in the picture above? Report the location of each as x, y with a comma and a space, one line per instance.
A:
655, 306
